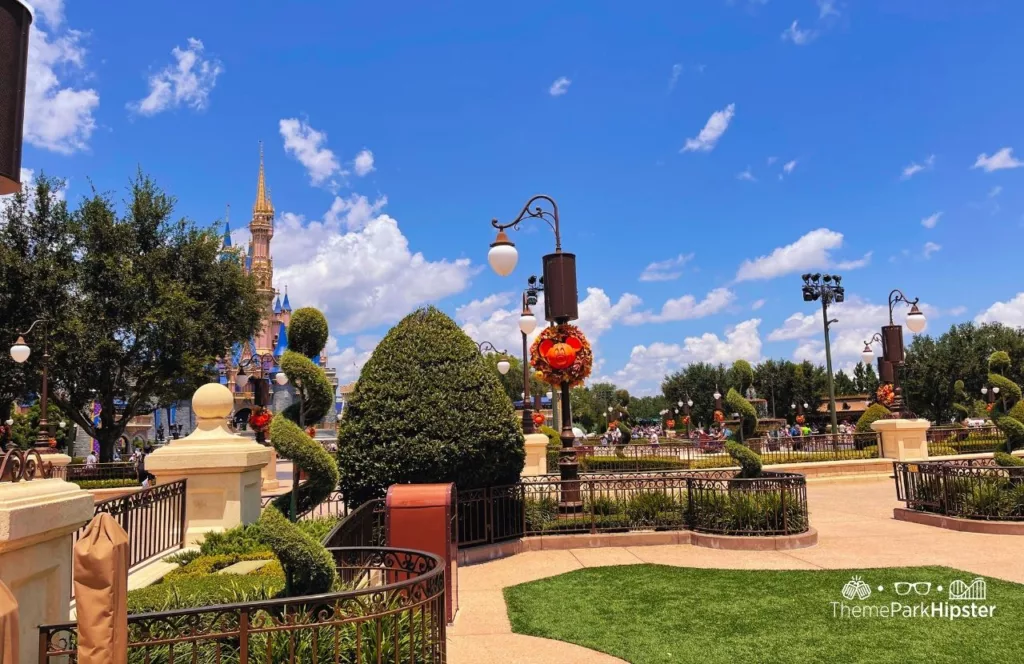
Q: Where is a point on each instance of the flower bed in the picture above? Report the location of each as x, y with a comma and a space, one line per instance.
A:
967, 489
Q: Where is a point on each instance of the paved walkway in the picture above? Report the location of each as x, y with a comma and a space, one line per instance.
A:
855, 530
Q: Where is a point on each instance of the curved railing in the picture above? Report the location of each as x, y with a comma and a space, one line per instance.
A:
25, 465
393, 612
710, 501
963, 488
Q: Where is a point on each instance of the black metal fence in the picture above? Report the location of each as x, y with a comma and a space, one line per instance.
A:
704, 501
395, 613
153, 518
363, 527
946, 441
332, 506
99, 472
965, 488
711, 453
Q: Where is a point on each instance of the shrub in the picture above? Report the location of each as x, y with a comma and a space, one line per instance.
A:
319, 527
86, 485
307, 332
427, 408
206, 565
234, 541
748, 414
1007, 388
1007, 460
196, 591
308, 565
538, 512
602, 506
609, 463
644, 508
183, 557
748, 460
554, 440
941, 449
875, 412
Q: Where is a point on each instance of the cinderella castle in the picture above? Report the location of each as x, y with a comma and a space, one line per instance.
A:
259, 356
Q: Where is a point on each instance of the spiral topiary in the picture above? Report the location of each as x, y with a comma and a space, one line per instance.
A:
1008, 411
748, 460
739, 404
962, 405
307, 564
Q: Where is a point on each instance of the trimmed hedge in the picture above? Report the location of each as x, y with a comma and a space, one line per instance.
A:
875, 412
749, 461
1008, 460
205, 565
1007, 388
307, 332
307, 564
554, 438
195, 591
738, 404
106, 484
427, 408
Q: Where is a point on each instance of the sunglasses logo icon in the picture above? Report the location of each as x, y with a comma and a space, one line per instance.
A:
904, 588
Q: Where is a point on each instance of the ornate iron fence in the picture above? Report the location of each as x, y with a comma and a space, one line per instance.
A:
964, 488
363, 527
333, 505
394, 614
25, 465
705, 501
153, 518
945, 441
711, 453
118, 470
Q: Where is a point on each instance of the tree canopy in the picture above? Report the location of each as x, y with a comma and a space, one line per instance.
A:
140, 304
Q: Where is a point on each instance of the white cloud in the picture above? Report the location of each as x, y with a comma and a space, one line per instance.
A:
58, 117
685, 308
648, 364
789, 166
309, 146
929, 249
500, 326
1000, 160
811, 251
772, 160
354, 212
799, 37
1009, 313
363, 163
480, 309
348, 362
856, 263
914, 168
712, 131
995, 191
827, 8
559, 87
931, 221
957, 311
673, 78
746, 175
360, 274
757, 304
666, 270
187, 82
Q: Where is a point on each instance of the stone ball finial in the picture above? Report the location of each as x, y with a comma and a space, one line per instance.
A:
212, 401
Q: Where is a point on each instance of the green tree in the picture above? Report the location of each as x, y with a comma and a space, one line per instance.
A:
138, 302
845, 385
25, 430
427, 408
773, 380
740, 376
697, 381
865, 380
512, 382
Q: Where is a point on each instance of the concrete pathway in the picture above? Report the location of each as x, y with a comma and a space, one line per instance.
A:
855, 530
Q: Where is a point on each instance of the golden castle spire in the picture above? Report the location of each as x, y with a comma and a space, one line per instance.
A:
263, 204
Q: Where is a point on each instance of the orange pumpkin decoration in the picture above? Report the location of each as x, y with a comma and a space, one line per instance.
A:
539, 419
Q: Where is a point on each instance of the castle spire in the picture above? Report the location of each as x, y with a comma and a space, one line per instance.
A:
227, 227
262, 198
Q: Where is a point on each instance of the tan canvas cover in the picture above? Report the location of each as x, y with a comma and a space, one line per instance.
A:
101, 592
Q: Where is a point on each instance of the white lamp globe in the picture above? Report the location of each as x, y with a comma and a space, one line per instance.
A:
281, 378
689, 402
63, 424
995, 390
805, 405
503, 255
241, 380
20, 351
717, 395
9, 422
984, 390
527, 323
503, 367
916, 321
867, 355
680, 404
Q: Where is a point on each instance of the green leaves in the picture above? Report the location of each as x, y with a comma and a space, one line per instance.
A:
307, 332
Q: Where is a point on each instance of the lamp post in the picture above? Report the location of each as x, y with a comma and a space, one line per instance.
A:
826, 288
891, 338
527, 324
561, 305
488, 347
258, 363
19, 353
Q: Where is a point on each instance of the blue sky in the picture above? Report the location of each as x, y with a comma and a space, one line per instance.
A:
733, 145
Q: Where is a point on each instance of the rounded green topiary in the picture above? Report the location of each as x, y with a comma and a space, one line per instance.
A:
554, 440
738, 404
1007, 460
999, 360
427, 408
875, 412
627, 433
307, 332
307, 564
748, 460
1008, 390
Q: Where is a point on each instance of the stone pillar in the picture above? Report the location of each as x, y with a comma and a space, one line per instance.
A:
37, 520
269, 472
902, 439
223, 469
536, 455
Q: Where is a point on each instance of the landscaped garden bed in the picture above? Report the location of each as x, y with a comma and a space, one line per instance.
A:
987, 489
652, 614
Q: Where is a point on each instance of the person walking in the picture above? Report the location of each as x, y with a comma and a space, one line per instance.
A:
146, 478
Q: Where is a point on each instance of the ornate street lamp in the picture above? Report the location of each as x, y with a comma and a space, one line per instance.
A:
15, 19
891, 338
527, 324
488, 347
259, 364
826, 288
561, 305
19, 353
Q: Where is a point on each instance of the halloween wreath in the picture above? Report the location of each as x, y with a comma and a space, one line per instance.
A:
561, 354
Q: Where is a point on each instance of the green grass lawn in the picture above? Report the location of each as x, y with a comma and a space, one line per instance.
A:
647, 614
